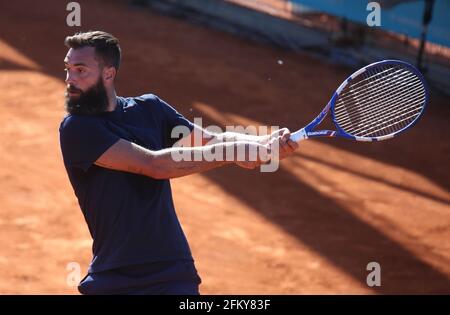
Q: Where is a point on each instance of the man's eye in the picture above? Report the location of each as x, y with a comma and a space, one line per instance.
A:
81, 71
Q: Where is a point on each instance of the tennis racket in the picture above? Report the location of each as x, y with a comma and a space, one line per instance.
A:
375, 103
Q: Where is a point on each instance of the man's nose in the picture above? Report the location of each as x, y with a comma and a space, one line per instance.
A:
69, 78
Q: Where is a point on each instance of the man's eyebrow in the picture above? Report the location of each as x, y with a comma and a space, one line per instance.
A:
76, 64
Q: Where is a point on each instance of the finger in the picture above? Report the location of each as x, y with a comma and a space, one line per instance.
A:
287, 149
286, 135
284, 145
292, 144
280, 132
265, 153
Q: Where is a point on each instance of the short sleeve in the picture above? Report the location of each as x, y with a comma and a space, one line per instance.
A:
172, 118
84, 139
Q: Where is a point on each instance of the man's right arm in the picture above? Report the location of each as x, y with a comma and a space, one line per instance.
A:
130, 157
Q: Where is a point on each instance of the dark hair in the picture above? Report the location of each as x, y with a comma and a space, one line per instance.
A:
106, 46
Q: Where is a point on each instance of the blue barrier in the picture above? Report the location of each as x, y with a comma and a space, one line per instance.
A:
405, 18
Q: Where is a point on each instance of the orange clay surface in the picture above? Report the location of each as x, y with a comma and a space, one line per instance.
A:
311, 227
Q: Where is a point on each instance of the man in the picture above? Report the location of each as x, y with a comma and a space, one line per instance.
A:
118, 155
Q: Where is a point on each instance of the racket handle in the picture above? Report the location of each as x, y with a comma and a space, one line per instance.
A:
299, 135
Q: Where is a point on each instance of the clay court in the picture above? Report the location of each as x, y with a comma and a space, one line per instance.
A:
310, 228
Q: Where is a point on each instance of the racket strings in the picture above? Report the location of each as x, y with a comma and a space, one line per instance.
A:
379, 102
371, 128
379, 107
377, 110
362, 91
397, 115
387, 122
361, 85
386, 125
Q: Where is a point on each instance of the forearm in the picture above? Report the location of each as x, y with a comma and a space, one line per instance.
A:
181, 161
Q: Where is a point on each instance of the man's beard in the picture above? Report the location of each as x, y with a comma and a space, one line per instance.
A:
91, 102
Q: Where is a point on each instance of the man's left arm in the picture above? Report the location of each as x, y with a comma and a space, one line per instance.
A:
201, 137
280, 137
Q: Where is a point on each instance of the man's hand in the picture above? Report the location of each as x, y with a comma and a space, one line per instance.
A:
277, 146
251, 154
281, 139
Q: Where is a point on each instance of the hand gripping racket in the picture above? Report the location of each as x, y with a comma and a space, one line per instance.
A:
375, 103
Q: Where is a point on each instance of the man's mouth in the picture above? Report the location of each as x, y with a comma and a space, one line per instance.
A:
73, 92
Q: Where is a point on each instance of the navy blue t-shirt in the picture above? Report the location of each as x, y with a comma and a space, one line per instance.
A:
131, 217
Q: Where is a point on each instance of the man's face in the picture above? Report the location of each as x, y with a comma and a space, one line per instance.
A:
86, 93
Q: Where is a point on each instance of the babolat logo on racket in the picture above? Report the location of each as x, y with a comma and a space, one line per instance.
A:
319, 133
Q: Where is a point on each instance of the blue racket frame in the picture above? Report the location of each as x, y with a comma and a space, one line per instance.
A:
308, 132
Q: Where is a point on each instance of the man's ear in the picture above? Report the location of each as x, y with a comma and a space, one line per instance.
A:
109, 73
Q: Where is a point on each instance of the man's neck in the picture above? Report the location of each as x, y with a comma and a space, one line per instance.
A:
112, 101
